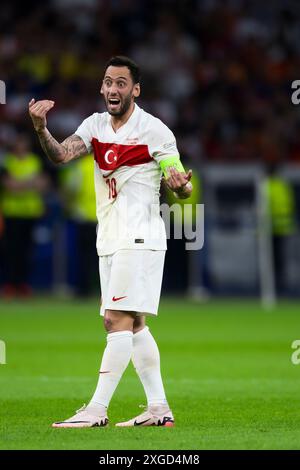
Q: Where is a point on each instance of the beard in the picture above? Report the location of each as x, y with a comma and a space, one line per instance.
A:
122, 108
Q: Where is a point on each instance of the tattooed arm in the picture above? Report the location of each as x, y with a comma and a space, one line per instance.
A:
70, 148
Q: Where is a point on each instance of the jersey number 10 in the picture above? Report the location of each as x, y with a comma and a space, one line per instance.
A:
112, 187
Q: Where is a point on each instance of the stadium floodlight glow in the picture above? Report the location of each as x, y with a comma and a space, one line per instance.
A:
2, 92
2, 352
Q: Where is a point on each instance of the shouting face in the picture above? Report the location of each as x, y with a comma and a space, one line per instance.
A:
119, 90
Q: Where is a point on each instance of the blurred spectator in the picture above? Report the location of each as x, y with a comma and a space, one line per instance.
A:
182, 224
220, 71
80, 205
282, 210
23, 184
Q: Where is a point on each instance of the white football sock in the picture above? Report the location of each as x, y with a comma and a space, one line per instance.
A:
146, 360
115, 359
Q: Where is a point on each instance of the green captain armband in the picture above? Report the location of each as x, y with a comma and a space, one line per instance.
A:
171, 161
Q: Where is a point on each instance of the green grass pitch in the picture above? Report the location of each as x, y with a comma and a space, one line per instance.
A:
226, 366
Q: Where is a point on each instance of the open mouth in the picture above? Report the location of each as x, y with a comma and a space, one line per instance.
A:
114, 102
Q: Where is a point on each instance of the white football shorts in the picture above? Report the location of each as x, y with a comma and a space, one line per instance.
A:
131, 280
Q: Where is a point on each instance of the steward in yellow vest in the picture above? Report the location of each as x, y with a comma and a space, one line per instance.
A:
78, 189
281, 203
282, 212
21, 203
77, 182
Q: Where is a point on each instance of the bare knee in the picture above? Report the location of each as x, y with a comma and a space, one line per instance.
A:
115, 320
139, 323
108, 323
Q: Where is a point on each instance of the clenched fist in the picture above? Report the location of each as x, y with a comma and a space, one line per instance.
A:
38, 111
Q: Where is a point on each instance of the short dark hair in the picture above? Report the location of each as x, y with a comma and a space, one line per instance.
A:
123, 61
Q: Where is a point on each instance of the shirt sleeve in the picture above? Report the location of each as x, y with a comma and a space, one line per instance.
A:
162, 144
84, 131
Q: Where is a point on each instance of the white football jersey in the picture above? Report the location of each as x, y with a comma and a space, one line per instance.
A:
127, 179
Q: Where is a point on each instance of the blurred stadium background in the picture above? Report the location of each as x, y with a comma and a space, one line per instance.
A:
219, 74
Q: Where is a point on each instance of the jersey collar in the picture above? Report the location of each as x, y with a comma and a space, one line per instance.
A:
130, 123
